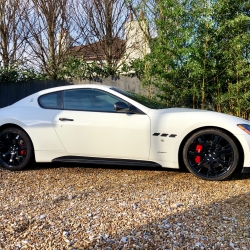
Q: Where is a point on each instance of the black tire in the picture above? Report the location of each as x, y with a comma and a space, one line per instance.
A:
211, 154
16, 149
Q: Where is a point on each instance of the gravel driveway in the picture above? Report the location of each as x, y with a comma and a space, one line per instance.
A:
93, 207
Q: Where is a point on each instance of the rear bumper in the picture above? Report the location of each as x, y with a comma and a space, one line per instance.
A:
245, 170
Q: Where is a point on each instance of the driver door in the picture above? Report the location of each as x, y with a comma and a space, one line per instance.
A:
89, 126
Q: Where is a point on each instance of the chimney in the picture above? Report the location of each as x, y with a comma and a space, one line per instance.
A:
64, 41
141, 15
131, 18
64, 31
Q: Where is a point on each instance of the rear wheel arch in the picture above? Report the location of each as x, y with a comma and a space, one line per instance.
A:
181, 147
14, 126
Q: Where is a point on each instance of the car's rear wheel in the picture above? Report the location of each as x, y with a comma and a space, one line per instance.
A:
15, 149
211, 154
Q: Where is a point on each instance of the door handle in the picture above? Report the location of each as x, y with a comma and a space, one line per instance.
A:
66, 119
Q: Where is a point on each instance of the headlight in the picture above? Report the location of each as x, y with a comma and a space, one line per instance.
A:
244, 127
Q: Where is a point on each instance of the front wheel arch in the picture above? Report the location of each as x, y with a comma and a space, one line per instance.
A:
181, 147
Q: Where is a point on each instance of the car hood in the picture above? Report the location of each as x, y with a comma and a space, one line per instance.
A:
207, 114
184, 120
184, 110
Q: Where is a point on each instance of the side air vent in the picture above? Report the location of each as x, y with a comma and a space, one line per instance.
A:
156, 134
164, 135
172, 135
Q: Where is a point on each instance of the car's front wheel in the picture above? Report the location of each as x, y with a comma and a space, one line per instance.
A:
15, 149
211, 154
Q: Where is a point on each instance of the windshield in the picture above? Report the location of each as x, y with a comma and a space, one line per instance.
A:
141, 99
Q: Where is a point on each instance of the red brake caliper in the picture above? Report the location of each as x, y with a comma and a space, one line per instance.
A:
198, 149
23, 152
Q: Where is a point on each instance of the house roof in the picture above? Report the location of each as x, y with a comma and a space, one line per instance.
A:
99, 50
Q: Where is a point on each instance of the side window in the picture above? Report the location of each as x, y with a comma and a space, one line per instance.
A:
89, 100
51, 100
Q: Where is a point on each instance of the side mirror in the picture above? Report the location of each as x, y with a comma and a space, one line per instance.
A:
121, 106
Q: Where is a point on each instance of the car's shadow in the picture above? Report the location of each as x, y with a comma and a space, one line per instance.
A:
38, 166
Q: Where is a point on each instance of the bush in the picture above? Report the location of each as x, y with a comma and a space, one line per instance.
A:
14, 73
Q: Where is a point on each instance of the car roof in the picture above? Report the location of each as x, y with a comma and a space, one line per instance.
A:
73, 86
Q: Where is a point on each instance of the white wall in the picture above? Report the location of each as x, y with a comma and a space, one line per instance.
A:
137, 45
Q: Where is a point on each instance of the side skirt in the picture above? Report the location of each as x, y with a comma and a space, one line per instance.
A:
245, 170
105, 161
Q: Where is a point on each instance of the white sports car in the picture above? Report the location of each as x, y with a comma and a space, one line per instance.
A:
105, 125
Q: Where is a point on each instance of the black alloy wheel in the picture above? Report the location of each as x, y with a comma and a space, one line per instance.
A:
211, 154
15, 149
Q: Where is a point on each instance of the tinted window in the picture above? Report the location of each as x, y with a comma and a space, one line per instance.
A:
141, 99
89, 99
51, 100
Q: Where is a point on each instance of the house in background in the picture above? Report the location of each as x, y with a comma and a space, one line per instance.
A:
96, 51
134, 46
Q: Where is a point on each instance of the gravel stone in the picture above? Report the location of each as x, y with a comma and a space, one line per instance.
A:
43, 216
91, 207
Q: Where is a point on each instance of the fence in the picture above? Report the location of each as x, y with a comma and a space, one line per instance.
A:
15, 91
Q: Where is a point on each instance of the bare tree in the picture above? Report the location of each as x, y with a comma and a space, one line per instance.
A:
49, 40
103, 31
12, 32
40, 31
148, 10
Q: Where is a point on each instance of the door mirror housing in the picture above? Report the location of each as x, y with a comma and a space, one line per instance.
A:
125, 108
121, 107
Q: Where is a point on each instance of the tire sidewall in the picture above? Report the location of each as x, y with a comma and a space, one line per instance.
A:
222, 134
